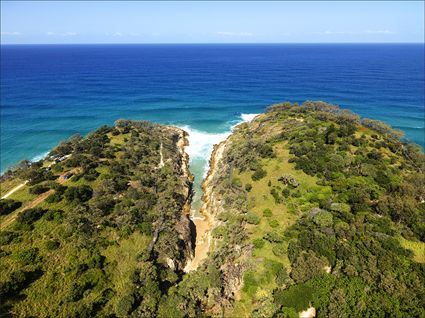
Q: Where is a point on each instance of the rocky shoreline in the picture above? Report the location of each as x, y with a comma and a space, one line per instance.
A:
182, 143
185, 226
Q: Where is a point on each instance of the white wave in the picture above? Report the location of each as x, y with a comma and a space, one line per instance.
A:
248, 117
201, 144
40, 157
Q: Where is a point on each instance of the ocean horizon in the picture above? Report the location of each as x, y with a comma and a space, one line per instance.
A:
50, 92
209, 170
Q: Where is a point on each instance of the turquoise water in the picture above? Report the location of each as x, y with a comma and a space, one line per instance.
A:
49, 92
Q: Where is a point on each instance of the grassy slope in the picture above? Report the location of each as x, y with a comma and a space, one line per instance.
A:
8, 185
417, 247
261, 199
68, 265
52, 288
259, 281
123, 250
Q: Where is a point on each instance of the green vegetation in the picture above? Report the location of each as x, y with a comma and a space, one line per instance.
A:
8, 205
335, 202
417, 247
267, 213
8, 183
252, 218
109, 238
38, 189
310, 206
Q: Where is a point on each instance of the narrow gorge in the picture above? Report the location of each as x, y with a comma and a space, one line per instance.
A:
307, 211
205, 222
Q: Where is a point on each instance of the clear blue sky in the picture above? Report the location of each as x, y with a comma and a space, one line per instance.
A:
211, 22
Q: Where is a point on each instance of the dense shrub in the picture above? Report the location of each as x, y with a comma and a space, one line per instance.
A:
281, 276
76, 291
258, 174
279, 249
8, 205
54, 197
273, 223
7, 236
16, 281
59, 189
275, 194
258, 243
252, 218
288, 179
297, 297
323, 218
29, 216
273, 237
38, 189
265, 150
36, 174
52, 244
307, 266
78, 194
267, 213
250, 284
124, 305
54, 215
91, 175
28, 257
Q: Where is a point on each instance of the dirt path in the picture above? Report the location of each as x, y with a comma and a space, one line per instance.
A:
161, 161
19, 186
32, 204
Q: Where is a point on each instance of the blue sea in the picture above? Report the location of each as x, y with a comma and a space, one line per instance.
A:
50, 92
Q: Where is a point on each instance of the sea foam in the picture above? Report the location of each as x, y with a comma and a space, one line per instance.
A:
248, 117
200, 147
40, 157
201, 143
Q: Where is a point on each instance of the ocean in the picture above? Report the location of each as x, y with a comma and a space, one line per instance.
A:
50, 92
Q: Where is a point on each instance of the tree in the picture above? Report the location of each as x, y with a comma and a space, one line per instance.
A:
258, 174
258, 243
279, 249
78, 194
267, 213
307, 266
54, 197
323, 219
297, 297
252, 218
35, 174
28, 257
38, 189
331, 135
8, 205
288, 179
29, 216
